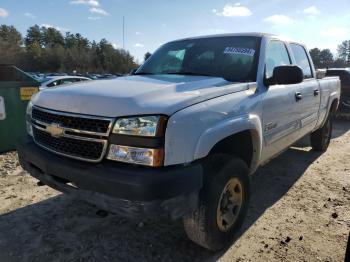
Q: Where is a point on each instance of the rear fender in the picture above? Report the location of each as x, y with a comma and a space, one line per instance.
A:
333, 98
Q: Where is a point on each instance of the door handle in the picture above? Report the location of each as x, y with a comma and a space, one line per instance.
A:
298, 96
316, 92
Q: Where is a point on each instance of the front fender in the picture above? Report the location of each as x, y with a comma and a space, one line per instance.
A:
227, 128
193, 131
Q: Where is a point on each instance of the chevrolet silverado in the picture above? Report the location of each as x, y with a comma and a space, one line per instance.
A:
182, 136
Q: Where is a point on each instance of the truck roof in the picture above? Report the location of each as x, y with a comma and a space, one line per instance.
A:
254, 34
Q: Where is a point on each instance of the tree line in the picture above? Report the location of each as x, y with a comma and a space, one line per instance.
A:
324, 58
45, 49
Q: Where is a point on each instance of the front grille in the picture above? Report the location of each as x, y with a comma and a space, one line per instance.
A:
90, 150
72, 135
74, 122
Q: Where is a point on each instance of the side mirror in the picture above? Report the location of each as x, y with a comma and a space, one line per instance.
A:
285, 75
133, 71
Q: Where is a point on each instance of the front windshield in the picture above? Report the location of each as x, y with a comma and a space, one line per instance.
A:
233, 58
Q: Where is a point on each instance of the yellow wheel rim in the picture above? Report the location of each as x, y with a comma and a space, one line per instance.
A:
229, 205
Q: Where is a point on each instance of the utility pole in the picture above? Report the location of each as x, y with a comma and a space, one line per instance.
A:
123, 33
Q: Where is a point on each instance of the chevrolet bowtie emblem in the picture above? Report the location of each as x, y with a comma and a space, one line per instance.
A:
55, 130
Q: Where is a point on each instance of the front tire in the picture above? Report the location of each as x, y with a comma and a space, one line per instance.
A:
321, 138
223, 205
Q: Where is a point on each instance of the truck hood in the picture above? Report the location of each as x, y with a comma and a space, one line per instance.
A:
135, 95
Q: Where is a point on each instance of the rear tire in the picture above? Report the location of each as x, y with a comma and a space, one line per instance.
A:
321, 138
225, 196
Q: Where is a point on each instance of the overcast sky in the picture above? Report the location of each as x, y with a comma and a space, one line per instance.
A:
150, 23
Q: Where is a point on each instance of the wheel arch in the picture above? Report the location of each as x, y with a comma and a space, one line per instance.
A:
334, 105
240, 137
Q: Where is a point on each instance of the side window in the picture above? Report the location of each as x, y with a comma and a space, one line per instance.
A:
276, 55
301, 59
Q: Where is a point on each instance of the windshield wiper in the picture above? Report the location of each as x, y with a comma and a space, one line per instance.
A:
198, 74
185, 73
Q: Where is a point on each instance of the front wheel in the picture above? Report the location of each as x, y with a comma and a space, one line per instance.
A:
223, 203
321, 138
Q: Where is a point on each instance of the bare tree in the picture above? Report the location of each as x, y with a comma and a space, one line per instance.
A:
344, 51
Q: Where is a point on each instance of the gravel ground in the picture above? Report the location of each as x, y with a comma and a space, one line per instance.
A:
8, 163
300, 211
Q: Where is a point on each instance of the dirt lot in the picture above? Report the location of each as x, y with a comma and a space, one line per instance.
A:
300, 211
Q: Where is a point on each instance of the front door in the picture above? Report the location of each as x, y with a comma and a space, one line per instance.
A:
281, 110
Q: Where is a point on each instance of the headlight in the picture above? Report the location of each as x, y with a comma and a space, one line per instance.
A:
140, 126
28, 118
144, 128
135, 155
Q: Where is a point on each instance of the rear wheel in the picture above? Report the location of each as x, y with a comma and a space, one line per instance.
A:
223, 203
321, 138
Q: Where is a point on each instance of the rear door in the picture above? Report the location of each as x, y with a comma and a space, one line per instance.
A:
309, 90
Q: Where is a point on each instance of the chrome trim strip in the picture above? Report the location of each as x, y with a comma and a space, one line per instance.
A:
111, 120
39, 127
71, 136
35, 122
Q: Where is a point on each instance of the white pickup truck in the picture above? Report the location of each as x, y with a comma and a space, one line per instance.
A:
181, 137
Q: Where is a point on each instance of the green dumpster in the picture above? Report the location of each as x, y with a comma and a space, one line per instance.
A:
16, 89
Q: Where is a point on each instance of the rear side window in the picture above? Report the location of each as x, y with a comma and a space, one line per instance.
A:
276, 55
301, 59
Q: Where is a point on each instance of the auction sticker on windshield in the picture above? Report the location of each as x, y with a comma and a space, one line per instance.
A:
239, 51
